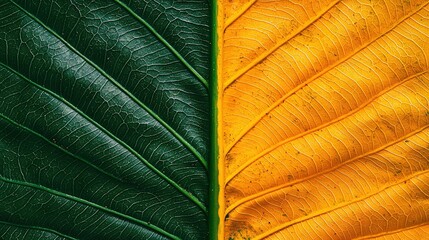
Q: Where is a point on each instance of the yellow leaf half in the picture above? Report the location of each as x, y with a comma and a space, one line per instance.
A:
325, 119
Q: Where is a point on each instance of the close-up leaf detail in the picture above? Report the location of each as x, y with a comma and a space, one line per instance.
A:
324, 120
103, 114
223, 119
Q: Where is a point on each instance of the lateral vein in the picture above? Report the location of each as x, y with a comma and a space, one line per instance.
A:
39, 228
330, 209
166, 43
311, 79
279, 187
88, 203
107, 132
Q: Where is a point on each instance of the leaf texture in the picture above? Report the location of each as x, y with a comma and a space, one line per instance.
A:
12, 231
103, 108
325, 119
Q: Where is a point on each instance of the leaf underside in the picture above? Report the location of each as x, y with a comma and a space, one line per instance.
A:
326, 119
103, 108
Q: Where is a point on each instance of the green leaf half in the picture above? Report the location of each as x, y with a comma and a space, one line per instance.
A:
103, 115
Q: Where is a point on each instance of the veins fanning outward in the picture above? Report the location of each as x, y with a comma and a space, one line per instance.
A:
168, 45
323, 116
284, 40
268, 191
104, 112
281, 100
90, 204
134, 98
185, 192
231, 176
397, 190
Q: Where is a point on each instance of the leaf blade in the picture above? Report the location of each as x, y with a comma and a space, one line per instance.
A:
293, 115
67, 94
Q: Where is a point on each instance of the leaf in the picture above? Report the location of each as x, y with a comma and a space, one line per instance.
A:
103, 108
324, 119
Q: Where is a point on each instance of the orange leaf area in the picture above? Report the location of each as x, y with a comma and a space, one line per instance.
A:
325, 119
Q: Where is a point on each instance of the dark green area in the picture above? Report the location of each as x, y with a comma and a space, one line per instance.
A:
104, 115
13, 231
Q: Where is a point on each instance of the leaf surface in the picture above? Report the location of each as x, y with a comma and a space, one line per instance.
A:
325, 119
102, 112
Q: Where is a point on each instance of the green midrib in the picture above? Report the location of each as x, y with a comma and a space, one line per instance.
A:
214, 148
